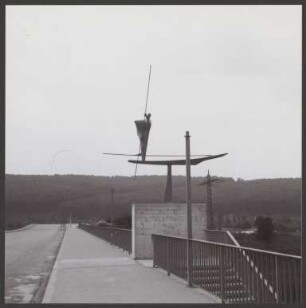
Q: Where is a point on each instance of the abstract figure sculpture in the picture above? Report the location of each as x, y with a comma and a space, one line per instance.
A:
143, 128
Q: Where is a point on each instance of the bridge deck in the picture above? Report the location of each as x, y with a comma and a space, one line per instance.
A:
90, 270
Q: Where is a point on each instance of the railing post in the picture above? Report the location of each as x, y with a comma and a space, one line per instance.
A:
154, 249
277, 280
168, 261
221, 274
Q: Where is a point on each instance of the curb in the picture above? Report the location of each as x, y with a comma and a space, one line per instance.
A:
21, 229
51, 283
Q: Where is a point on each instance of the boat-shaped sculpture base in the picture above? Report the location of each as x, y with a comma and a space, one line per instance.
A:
169, 164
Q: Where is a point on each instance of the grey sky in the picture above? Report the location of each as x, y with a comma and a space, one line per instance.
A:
76, 80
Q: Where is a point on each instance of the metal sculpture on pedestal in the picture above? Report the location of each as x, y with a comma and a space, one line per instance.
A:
143, 129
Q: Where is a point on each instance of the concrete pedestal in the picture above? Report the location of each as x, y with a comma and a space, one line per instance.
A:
165, 218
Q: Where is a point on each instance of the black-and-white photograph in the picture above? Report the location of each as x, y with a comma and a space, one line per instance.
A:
153, 154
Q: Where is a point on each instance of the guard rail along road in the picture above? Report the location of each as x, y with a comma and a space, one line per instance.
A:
119, 237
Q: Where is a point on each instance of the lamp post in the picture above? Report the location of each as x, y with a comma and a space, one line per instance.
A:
189, 212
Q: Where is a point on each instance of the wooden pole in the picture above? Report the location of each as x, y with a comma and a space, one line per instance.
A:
189, 212
112, 205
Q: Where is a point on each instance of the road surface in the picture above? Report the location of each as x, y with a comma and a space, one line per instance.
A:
29, 259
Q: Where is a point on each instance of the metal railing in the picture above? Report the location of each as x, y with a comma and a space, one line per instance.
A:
233, 273
116, 236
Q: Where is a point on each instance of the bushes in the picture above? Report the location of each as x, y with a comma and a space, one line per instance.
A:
283, 243
123, 221
265, 228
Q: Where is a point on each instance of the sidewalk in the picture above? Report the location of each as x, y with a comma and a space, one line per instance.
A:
90, 270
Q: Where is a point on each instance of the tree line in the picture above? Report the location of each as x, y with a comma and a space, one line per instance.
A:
52, 199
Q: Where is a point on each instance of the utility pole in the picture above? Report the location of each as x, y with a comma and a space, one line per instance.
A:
209, 210
112, 205
189, 211
210, 218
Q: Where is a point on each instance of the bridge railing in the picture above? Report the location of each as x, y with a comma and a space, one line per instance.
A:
115, 236
233, 273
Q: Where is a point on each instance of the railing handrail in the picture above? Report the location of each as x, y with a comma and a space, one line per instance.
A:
110, 227
237, 247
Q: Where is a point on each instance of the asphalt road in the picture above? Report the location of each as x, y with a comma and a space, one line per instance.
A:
29, 259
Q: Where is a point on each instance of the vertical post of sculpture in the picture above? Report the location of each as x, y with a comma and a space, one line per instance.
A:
189, 212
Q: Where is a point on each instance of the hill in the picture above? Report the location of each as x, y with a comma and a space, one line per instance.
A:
47, 199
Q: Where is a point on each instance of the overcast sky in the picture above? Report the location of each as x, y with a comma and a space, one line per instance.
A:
76, 79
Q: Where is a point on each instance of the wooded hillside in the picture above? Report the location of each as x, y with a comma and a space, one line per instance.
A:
41, 198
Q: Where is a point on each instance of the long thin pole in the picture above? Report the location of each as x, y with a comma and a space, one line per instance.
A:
148, 88
189, 212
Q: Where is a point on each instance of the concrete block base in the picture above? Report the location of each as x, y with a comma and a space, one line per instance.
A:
165, 218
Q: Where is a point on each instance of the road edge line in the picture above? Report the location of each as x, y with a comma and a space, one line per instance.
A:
51, 282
